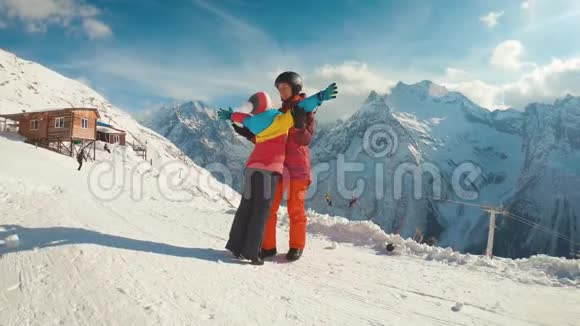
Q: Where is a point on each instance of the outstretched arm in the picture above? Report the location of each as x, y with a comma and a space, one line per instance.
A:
244, 132
312, 102
260, 122
239, 117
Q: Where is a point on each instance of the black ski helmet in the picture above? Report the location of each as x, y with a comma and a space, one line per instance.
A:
291, 78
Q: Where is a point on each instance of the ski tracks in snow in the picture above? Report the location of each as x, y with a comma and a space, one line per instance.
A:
104, 283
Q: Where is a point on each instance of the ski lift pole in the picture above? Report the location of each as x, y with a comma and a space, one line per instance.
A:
491, 233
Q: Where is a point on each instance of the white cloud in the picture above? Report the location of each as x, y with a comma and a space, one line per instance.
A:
250, 39
47, 11
491, 19
207, 77
189, 80
208, 81
96, 29
354, 77
507, 55
543, 84
486, 95
37, 15
240, 26
355, 81
454, 74
526, 5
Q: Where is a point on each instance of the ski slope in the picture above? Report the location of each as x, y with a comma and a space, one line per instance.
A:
69, 257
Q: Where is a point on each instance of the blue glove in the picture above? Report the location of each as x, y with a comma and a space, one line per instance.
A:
329, 93
312, 102
225, 114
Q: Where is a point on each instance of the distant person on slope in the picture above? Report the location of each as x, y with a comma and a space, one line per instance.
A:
80, 158
353, 201
328, 199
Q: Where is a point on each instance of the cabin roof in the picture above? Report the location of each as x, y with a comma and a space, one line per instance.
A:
109, 130
18, 115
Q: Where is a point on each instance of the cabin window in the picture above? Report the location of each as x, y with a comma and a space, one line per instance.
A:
84, 123
59, 123
116, 139
34, 124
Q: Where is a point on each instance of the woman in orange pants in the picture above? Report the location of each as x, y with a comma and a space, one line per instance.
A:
297, 172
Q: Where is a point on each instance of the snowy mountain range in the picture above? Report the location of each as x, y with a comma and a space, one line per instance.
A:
429, 157
524, 161
195, 129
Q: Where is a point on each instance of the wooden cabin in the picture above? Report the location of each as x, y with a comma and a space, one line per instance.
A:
59, 129
109, 134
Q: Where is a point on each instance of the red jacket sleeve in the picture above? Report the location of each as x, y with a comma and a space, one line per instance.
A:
239, 117
304, 136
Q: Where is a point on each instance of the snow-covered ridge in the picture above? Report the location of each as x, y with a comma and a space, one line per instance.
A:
540, 269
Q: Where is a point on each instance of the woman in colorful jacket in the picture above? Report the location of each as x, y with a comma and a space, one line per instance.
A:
264, 167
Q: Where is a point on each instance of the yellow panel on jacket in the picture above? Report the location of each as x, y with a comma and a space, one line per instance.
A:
279, 127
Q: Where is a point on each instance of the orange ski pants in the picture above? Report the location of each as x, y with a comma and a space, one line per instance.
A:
296, 214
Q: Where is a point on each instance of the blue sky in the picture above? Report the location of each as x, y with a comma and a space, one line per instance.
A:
141, 54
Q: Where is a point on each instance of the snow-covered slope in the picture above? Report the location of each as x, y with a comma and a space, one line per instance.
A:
211, 144
72, 258
25, 85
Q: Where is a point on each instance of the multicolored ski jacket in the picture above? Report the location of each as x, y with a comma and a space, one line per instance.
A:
271, 130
